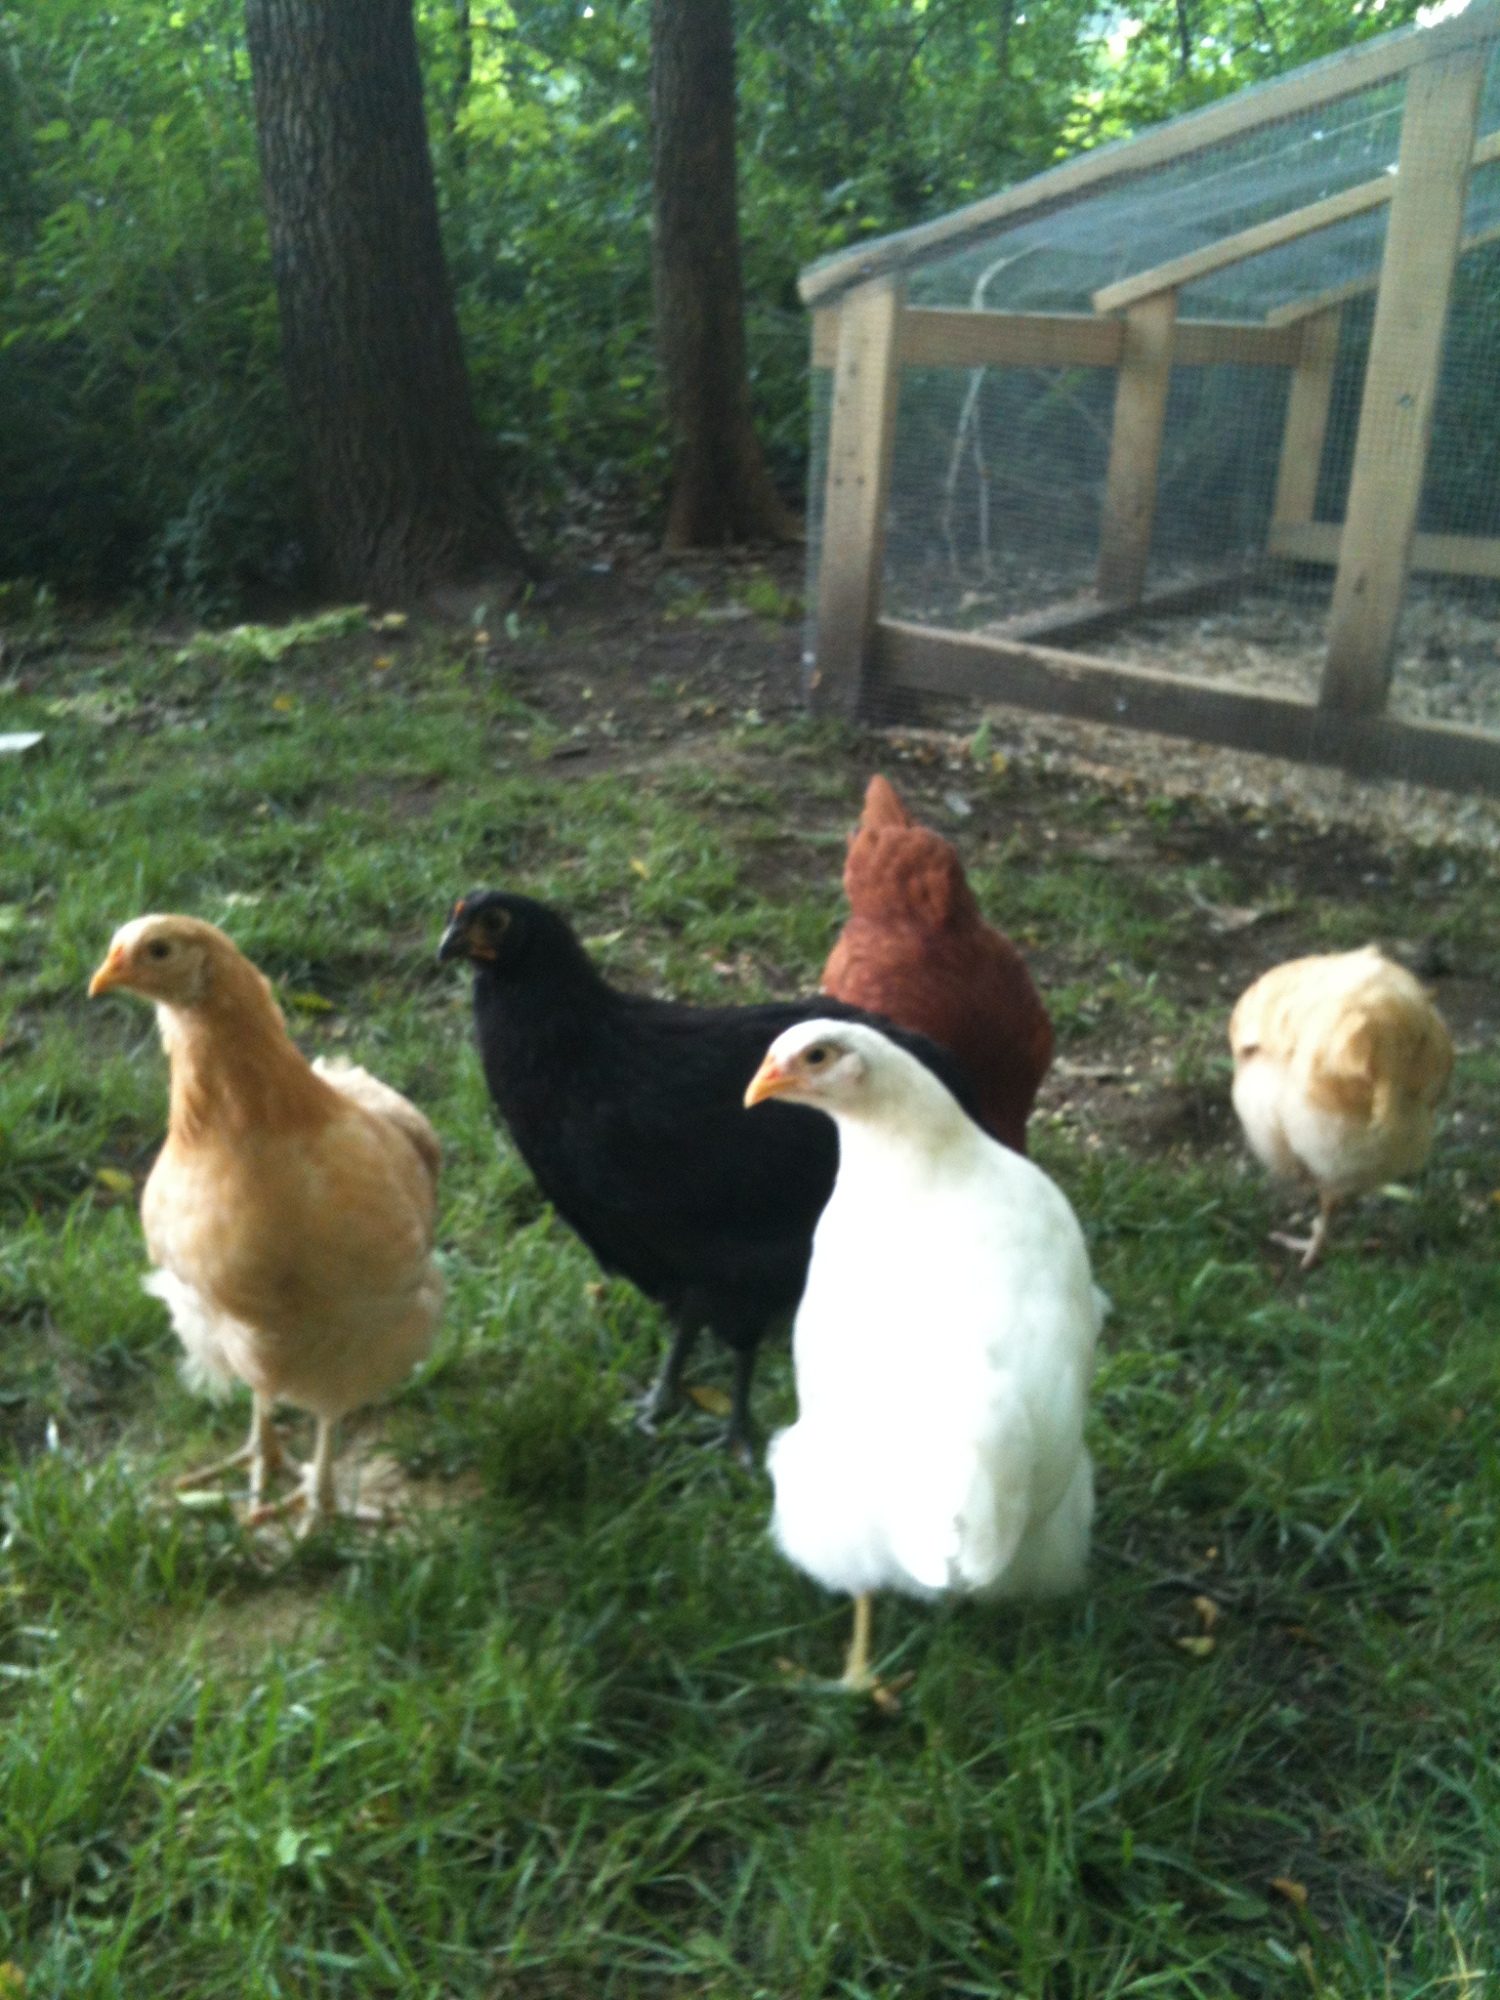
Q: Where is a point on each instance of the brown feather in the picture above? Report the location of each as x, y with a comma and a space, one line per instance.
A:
916, 948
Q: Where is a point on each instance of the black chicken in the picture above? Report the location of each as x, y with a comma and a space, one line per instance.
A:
630, 1113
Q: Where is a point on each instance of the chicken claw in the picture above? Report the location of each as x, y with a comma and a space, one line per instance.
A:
316, 1498
263, 1452
1309, 1248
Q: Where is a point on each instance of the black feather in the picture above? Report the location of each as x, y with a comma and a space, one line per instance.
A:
630, 1113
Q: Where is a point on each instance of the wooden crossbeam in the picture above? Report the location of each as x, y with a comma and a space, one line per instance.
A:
937, 337
918, 659
1433, 555
1263, 236
1319, 83
1361, 288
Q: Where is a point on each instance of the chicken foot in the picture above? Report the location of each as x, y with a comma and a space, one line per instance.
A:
1311, 1247
858, 1676
665, 1393
316, 1498
263, 1452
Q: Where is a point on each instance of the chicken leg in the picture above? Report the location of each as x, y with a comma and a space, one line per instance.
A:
857, 1676
263, 1452
662, 1397
1310, 1247
316, 1499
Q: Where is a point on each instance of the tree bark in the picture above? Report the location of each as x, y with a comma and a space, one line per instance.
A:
400, 491
721, 490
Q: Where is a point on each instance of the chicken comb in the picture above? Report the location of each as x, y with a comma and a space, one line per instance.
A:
883, 807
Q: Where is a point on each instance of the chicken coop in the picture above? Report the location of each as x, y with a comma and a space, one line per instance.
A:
1197, 432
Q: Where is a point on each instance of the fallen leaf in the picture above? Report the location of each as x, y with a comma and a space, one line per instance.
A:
708, 1398
309, 1003
283, 704
481, 638
382, 661
388, 621
1207, 1611
1198, 1646
116, 1180
58, 1865
640, 867
1294, 1892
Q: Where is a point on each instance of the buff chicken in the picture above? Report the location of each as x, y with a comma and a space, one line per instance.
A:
290, 1213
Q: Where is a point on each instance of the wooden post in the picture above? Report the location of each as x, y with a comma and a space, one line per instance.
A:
1401, 378
1306, 422
866, 388
1141, 386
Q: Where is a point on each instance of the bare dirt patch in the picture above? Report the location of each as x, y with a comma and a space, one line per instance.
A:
645, 663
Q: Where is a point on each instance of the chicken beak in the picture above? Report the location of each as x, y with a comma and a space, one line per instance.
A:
456, 941
770, 1080
110, 973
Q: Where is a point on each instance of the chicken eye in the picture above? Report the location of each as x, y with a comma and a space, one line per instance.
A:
816, 1057
158, 948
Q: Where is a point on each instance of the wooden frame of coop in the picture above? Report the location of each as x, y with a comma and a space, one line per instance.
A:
866, 332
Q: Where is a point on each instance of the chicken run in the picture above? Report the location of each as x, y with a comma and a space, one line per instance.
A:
1241, 364
945, 1317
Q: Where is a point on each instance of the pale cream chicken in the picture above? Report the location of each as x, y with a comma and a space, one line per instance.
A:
1340, 1061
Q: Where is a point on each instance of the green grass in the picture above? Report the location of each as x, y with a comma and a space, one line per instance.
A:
536, 1742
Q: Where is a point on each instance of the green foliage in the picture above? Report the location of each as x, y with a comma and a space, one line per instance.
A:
144, 436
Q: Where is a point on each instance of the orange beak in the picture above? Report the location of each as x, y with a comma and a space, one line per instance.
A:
111, 973
770, 1080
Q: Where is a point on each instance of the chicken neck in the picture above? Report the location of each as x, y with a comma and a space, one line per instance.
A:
234, 1066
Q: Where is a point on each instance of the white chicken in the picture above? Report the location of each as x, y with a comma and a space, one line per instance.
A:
1339, 1063
944, 1348
290, 1212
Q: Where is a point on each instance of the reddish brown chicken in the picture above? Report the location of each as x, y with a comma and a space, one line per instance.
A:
917, 950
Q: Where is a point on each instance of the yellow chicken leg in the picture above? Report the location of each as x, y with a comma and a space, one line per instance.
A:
263, 1452
857, 1676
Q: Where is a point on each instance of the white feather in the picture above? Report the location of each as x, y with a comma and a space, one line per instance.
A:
944, 1349
206, 1364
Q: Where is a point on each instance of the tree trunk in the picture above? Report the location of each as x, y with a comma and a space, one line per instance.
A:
400, 492
721, 490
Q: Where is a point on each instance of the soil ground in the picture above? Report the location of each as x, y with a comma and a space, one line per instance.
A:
644, 661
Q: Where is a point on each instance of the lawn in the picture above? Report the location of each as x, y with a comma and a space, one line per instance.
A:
539, 1740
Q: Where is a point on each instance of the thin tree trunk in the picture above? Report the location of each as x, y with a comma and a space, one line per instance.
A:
721, 490
400, 492
1184, 36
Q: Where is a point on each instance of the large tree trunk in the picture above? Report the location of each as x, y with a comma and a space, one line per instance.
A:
401, 494
721, 491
